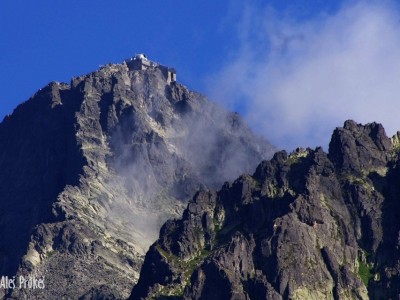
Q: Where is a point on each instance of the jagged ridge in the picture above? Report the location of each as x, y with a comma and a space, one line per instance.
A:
308, 225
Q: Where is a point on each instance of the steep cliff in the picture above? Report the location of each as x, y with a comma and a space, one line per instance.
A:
309, 225
90, 170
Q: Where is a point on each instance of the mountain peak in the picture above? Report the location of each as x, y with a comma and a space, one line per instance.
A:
141, 62
94, 167
357, 148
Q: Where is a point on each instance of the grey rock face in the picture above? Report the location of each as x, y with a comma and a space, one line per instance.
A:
308, 225
90, 170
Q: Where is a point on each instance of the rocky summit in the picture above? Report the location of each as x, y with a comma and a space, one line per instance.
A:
308, 225
90, 170
94, 171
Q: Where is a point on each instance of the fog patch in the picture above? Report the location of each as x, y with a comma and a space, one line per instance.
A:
166, 146
296, 80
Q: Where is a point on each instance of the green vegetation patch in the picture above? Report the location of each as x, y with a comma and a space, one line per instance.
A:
170, 257
50, 253
191, 265
175, 291
365, 272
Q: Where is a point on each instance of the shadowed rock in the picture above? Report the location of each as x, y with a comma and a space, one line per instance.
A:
90, 170
308, 225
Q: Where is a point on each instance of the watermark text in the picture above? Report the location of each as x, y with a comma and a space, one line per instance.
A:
22, 282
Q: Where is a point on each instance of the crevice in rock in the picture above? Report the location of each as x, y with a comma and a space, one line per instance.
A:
327, 261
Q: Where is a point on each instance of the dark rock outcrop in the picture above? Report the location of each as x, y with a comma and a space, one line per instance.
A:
90, 170
308, 225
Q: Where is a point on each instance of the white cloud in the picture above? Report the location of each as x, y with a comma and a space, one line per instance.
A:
301, 79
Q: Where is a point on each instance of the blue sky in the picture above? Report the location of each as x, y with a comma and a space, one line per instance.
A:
243, 54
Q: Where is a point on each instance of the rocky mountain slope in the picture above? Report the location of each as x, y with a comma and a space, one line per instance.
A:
309, 225
90, 170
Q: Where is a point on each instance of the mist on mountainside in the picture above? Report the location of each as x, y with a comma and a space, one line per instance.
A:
94, 168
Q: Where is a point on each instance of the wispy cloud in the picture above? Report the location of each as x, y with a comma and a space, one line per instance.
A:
296, 81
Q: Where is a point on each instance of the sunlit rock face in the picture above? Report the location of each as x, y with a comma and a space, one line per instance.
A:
90, 171
309, 225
